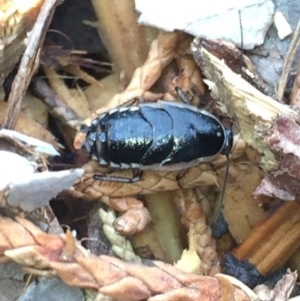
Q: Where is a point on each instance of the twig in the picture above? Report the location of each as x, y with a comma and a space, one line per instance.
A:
277, 246
165, 222
288, 62
55, 105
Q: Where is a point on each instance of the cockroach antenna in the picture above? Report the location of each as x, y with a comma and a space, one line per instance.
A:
220, 201
242, 38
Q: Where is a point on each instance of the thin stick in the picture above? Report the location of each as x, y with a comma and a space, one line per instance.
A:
29, 63
288, 62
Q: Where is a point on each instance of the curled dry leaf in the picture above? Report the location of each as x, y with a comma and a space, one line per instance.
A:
190, 75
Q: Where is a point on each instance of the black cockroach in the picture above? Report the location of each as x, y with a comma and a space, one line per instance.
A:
155, 136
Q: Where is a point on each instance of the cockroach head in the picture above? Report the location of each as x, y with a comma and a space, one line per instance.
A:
90, 137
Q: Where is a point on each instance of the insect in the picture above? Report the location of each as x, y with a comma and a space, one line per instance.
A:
155, 136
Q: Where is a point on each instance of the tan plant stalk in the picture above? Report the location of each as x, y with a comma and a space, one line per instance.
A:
166, 223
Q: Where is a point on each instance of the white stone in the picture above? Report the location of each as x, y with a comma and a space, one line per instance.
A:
283, 27
213, 19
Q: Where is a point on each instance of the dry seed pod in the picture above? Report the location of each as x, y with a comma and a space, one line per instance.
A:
62, 255
194, 217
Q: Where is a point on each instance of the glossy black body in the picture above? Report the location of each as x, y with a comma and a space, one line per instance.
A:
162, 135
